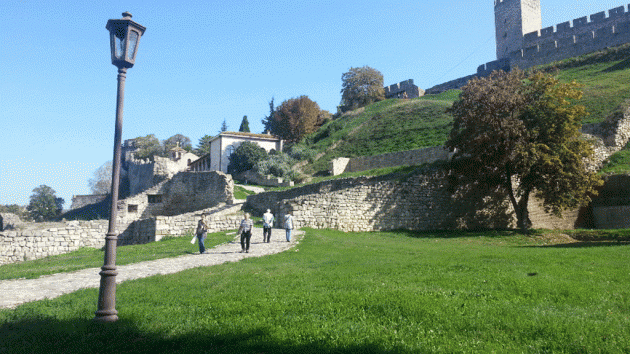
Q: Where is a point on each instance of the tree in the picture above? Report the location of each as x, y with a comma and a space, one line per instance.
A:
101, 181
244, 125
361, 87
203, 147
44, 205
522, 134
268, 122
224, 127
245, 157
148, 147
295, 118
183, 141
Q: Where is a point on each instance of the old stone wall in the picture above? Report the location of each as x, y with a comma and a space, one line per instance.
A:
424, 201
404, 89
185, 192
37, 241
565, 40
79, 201
225, 218
449, 85
392, 159
400, 158
584, 37
32, 243
9, 221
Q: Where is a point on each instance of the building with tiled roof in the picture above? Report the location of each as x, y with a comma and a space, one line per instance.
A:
223, 146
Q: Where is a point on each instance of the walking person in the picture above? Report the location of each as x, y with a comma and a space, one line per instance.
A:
288, 225
268, 220
246, 232
202, 232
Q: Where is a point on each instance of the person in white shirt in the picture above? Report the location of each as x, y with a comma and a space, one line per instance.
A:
268, 220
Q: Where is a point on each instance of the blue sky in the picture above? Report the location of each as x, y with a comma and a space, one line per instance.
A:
201, 62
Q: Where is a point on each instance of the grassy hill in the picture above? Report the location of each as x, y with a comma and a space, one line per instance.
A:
386, 126
398, 125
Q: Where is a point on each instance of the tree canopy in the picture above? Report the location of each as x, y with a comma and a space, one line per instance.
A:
44, 204
246, 155
361, 87
224, 126
244, 125
148, 147
203, 147
184, 142
523, 134
101, 181
295, 118
268, 122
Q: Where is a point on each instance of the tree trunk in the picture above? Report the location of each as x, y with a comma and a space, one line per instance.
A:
522, 213
520, 207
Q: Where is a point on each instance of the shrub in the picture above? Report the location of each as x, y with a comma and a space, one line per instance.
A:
245, 157
278, 165
301, 153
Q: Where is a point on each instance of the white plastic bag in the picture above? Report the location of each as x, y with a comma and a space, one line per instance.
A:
192, 242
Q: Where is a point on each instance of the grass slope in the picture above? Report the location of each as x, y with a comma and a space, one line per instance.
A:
398, 125
605, 75
386, 126
392, 292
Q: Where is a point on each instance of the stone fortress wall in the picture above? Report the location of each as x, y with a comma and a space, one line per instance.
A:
565, 40
403, 89
29, 244
421, 202
392, 159
79, 201
570, 39
170, 208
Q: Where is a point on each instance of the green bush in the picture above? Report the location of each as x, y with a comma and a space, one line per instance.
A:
278, 165
301, 153
245, 157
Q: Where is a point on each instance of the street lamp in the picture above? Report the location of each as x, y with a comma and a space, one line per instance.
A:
124, 37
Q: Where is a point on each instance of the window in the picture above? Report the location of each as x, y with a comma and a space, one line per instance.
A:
230, 150
154, 199
132, 208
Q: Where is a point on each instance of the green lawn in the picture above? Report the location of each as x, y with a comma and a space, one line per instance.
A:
388, 292
93, 258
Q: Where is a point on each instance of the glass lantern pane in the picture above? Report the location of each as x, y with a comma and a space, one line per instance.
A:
119, 48
133, 43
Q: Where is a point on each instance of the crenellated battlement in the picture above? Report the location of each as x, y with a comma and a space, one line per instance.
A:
580, 36
568, 41
404, 89
519, 47
579, 26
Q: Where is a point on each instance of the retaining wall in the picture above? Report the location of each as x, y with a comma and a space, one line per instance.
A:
392, 159
424, 201
27, 244
34, 243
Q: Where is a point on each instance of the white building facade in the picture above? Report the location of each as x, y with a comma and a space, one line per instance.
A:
223, 146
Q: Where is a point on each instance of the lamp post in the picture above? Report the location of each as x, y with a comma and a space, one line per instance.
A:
124, 37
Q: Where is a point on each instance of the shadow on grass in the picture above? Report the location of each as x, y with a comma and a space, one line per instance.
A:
460, 233
584, 244
48, 335
622, 65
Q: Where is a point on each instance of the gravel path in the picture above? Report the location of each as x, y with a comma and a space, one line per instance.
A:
19, 291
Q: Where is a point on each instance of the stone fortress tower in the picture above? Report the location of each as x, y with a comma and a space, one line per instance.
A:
513, 19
